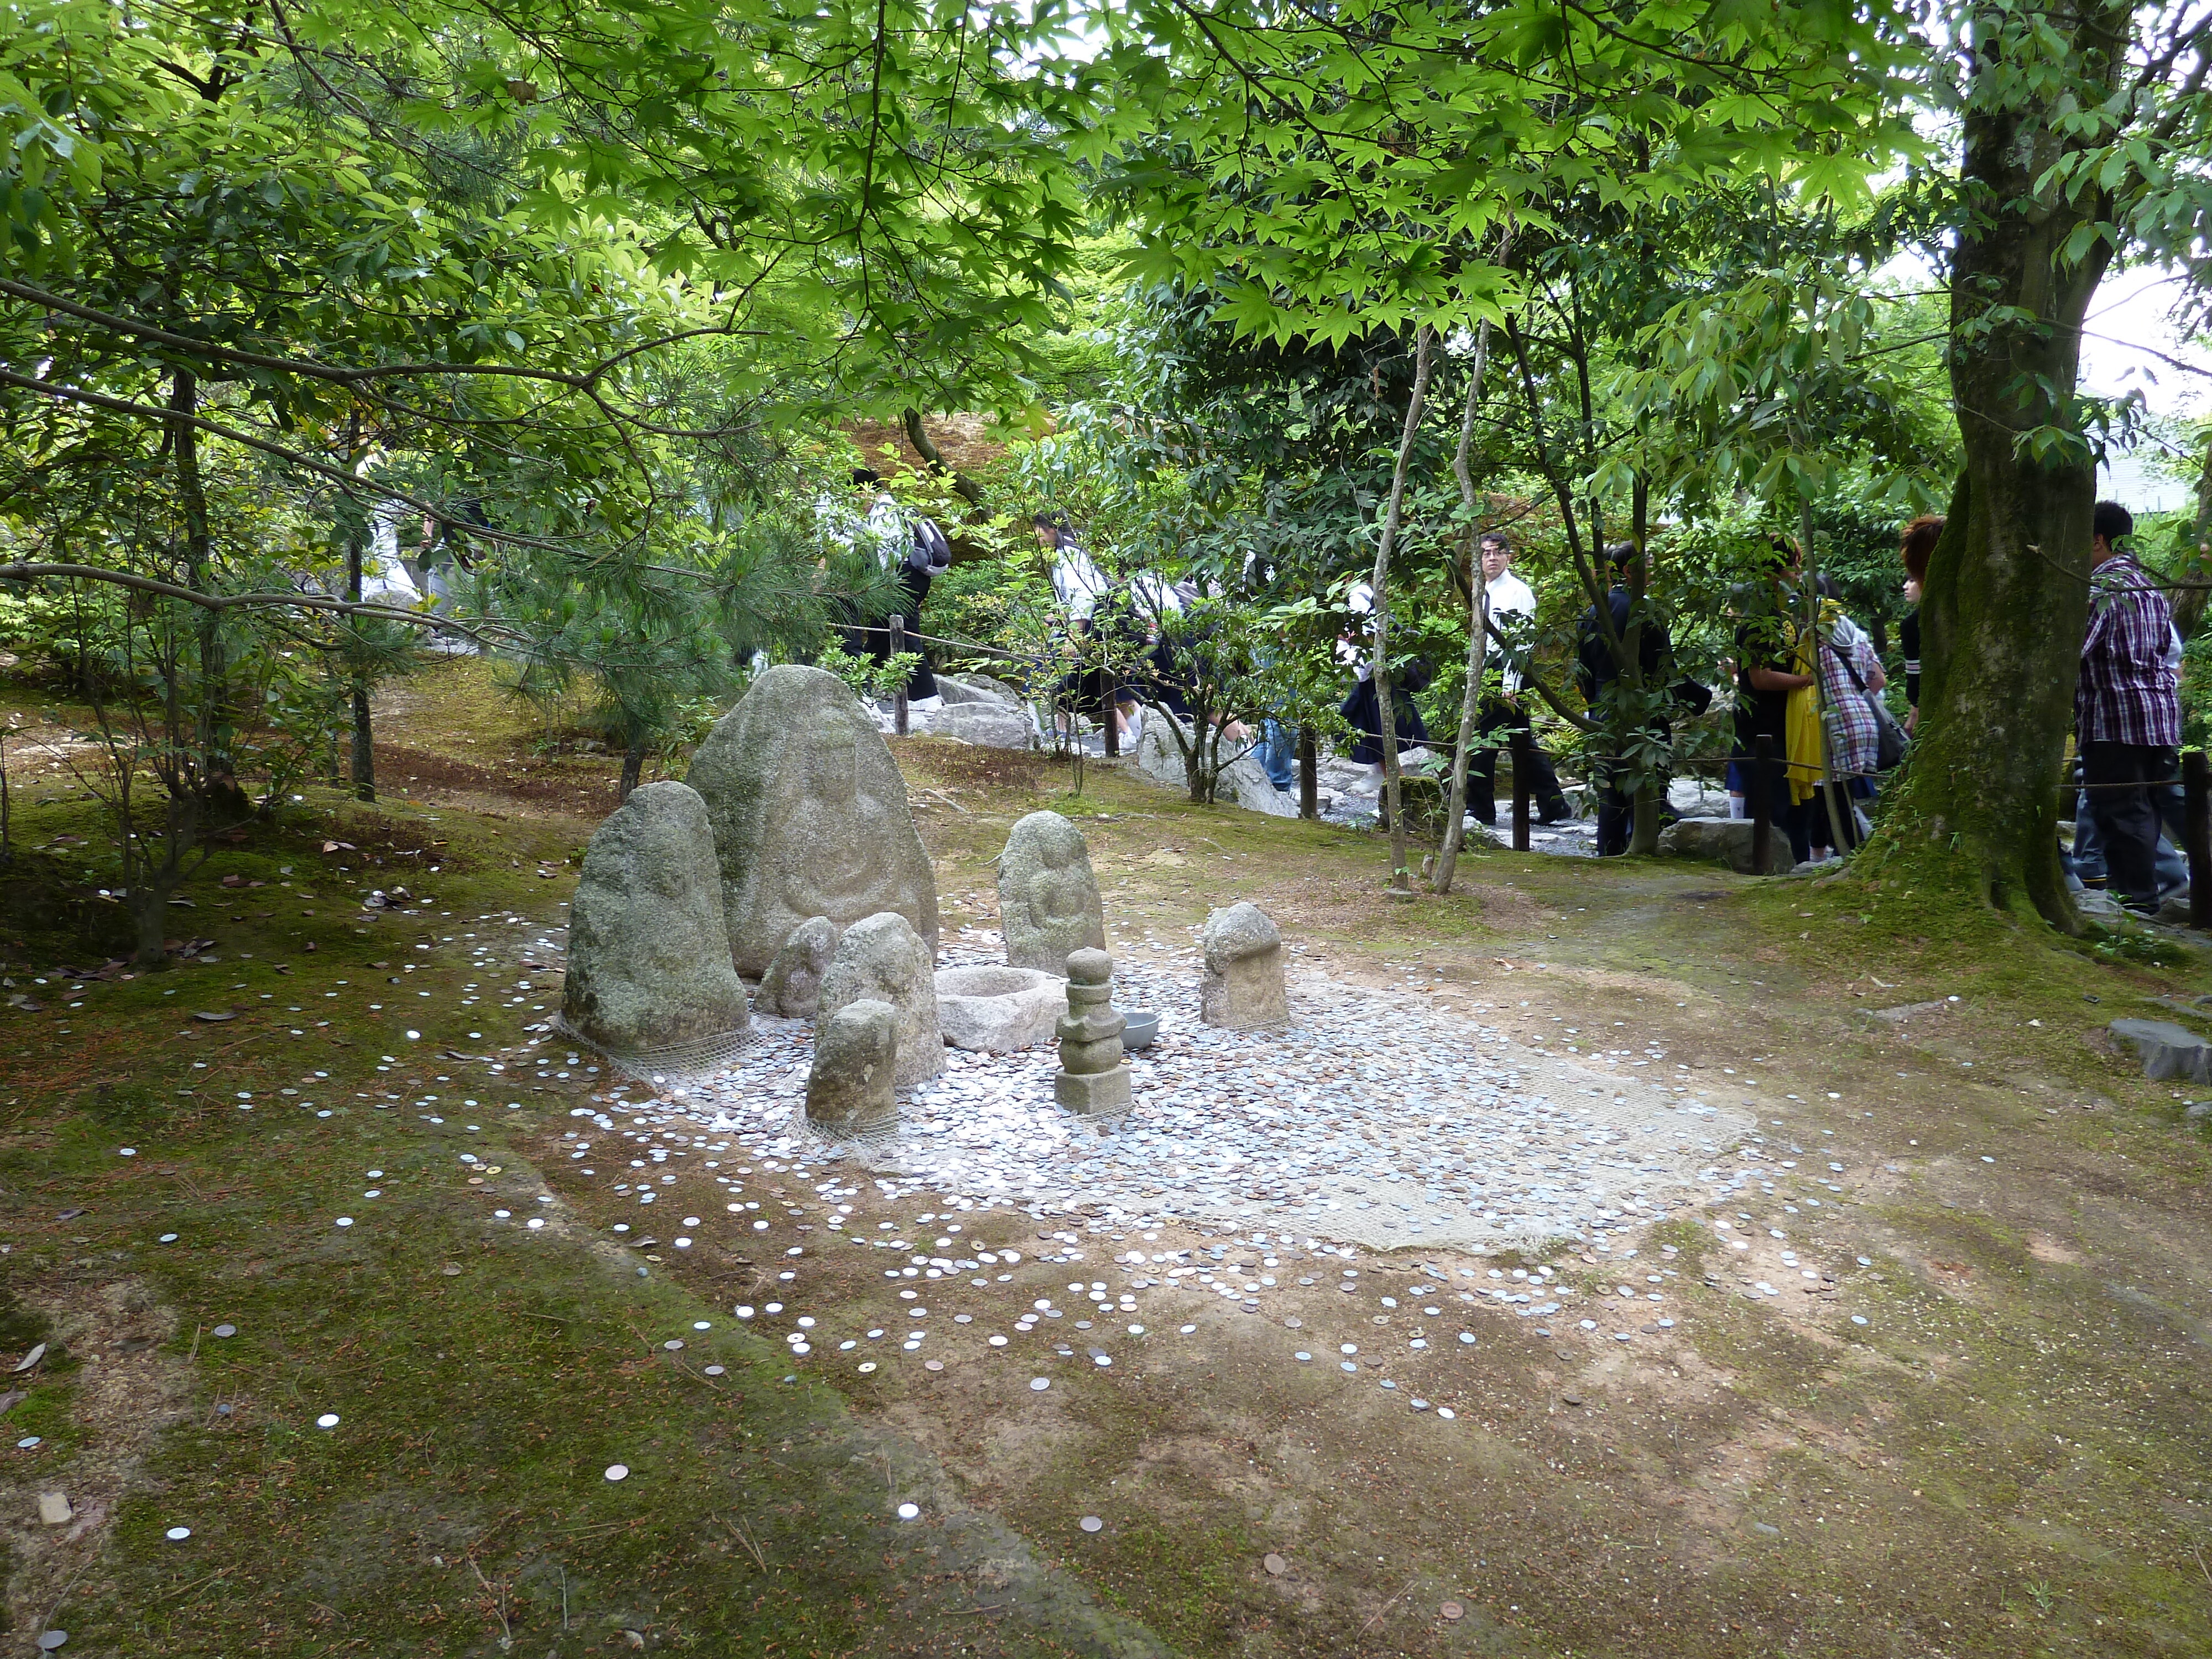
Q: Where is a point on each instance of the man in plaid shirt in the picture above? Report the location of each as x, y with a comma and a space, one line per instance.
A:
2127, 706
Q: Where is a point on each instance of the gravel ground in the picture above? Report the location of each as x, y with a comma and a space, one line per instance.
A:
1365, 1123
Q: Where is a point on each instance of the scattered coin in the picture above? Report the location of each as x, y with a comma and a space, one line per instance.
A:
327, 1420
1274, 1563
1572, 1399
933, 1364
177, 1534
1091, 1523
909, 1511
1039, 1384
226, 1330
1452, 1610
50, 1640
617, 1471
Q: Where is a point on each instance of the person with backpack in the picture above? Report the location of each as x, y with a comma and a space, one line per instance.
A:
1858, 747
913, 546
1363, 710
1597, 671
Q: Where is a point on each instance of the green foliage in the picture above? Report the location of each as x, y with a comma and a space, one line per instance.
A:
871, 681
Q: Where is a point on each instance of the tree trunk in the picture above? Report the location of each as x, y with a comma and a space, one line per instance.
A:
364, 745
2005, 605
149, 914
215, 776
1386, 715
1478, 587
1308, 775
2189, 601
1651, 798
918, 434
633, 763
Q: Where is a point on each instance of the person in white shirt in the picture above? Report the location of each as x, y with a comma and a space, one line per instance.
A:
1080, 586
1510, 613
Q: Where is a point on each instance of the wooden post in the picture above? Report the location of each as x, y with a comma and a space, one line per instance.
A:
2197, 831
1762, 806
1523, 773
1308, 775
898, 699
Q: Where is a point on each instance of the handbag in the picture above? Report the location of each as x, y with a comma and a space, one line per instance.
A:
1889, 737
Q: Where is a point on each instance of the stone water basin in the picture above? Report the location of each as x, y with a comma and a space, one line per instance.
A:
999, 1009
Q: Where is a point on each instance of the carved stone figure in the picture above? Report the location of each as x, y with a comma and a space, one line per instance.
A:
809, 815
1243, 985
1048, 895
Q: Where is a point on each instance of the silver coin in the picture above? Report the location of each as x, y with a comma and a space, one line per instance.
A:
226, 1330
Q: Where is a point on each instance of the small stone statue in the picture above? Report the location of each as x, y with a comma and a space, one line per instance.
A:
848, 1087
1242, 987
1091, 1079
791, 987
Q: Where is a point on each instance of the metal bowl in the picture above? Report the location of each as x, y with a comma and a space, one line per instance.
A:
1143, 1024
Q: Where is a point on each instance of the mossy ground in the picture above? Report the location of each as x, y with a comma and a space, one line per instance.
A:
2011, 1457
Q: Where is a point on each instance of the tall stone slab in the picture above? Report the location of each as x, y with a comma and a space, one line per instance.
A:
882, 959
1048, 895
649, 965
809, 815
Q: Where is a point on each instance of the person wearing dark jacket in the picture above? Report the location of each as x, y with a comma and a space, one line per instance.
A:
1917, 542
1597, 671
1363, 709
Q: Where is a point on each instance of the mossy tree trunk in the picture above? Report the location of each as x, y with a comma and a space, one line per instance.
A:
2005, 604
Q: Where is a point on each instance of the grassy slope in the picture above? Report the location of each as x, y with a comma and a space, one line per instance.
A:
2010, 1459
